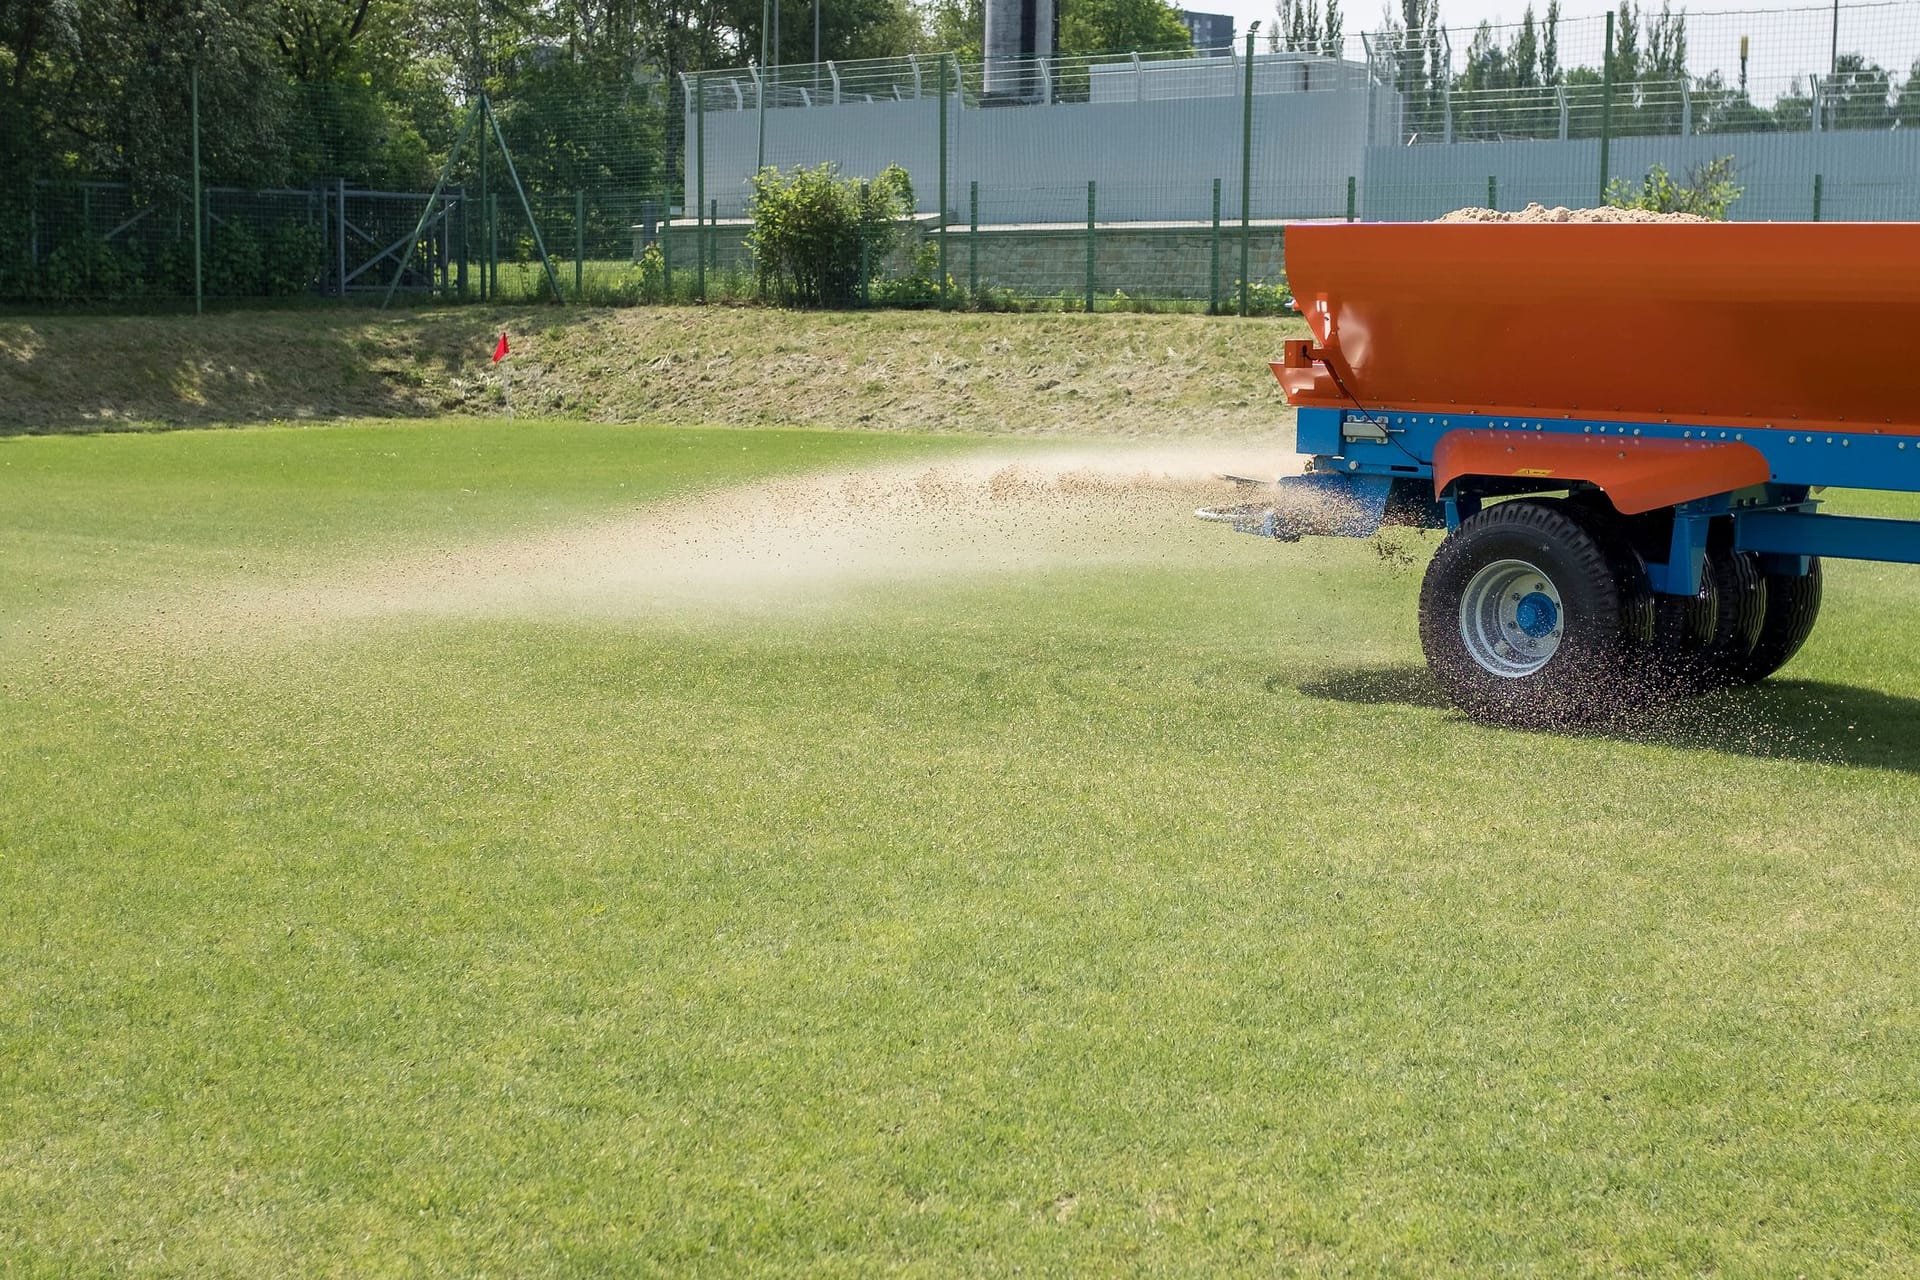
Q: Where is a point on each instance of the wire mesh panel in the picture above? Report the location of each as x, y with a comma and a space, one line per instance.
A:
640, 189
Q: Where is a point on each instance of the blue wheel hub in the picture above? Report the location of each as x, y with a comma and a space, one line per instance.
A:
1511, 618
1537, 614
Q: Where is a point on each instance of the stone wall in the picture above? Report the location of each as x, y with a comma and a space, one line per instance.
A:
1162, 262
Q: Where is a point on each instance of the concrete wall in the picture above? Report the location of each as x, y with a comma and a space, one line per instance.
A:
1864, 176
1156, 160
1150, 160
1140, 262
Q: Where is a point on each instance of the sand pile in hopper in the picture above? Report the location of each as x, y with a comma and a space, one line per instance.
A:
801, 541
1560, 213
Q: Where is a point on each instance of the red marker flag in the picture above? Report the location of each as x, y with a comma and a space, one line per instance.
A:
500, 349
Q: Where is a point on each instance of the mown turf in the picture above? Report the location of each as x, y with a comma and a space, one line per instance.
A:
1142, 919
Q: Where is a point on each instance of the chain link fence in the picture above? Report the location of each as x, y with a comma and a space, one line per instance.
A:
1129, 181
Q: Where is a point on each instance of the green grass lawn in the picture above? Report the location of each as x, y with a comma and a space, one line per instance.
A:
1143, 917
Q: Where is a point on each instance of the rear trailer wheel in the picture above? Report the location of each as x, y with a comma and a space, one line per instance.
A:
1788, 611
1528, 617
1740, 597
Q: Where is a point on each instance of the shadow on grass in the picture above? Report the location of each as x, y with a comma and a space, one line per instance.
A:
1777, 719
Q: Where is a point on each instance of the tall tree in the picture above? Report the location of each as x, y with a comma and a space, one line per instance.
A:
1524, 54
1121, 26
1550, 45
1626, 44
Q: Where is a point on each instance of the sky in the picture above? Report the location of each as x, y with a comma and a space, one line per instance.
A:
1788, 37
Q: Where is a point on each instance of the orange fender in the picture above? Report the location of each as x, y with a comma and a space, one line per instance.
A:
1638, 475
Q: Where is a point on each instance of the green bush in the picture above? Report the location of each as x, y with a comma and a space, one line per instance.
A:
1709, 192
1263, 299
813, 231
91, 270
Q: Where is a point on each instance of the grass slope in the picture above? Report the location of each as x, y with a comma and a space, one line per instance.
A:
921, 371
1152, 919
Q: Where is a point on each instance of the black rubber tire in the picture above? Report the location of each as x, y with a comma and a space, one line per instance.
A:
1791, 607
1605, 609
1740, 596
1609, 528
1684, 631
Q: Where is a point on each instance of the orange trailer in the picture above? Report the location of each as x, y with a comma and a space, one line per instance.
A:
1623, 427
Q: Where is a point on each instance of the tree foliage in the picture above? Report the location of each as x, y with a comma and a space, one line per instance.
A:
816, 236
1121, 26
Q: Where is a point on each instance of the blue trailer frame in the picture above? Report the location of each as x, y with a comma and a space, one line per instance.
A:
1378, 467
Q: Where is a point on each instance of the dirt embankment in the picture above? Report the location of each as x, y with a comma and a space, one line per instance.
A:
1135, 374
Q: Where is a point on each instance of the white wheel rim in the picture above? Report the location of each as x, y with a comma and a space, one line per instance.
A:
1511, 619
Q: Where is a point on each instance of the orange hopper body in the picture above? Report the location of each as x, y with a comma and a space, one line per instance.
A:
1713, 324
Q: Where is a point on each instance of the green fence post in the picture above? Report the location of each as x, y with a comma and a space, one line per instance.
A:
1353, 197
493, 246
865, 246
1493, 191
1246, 176
1213, 271
943, 182
1606, 108
700, 185
713, 236
666, 254
1090, 244
579, 241
1817, 185
194, 92
973, 239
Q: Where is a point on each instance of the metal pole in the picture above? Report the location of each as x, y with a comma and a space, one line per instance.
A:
493, 245
1493, 191
1246, 177
816, 37
1353, 193
1606, 108
1817, 185
466, 242
1090, 244
760, 90
340, 204
193, 80
666, 258
864, 245
579, 241
713, 237
487, 280
526, 207
943, 182
1213, 272
973, 237
700, 185
1833, 58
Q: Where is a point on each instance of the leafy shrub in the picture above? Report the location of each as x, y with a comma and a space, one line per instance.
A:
234, 264
918, 287
293, 257
87, 269
1263, 299
812, 230
1709, 192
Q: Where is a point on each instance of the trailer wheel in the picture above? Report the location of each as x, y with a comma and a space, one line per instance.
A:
1528, 618
1740, 598
1788, 612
